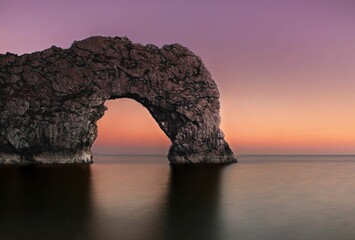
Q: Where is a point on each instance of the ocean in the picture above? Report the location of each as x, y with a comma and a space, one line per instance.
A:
142, 198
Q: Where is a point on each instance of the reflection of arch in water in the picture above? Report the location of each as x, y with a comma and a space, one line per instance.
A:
45, 202
193, 198
129, 200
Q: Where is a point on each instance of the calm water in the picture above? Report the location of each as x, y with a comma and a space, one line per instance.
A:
142, 197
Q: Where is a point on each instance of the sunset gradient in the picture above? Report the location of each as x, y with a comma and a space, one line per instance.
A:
285, 69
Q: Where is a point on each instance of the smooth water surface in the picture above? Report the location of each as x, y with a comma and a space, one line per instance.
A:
142, 197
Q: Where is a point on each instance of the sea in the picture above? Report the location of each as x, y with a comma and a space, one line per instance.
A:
142, 197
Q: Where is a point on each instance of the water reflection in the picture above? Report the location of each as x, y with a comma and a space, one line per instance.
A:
110, 201
155, 201
192, 207
139, 201
45, 202
129, 201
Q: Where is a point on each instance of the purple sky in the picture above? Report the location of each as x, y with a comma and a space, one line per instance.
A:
285, 69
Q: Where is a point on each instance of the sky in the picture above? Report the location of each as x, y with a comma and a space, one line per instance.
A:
285, 69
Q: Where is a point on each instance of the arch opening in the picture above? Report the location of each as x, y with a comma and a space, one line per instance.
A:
127, 127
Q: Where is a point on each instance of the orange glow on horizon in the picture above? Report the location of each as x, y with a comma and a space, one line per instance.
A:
127, 127
293, 122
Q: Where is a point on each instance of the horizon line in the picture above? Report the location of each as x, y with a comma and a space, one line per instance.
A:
241, 155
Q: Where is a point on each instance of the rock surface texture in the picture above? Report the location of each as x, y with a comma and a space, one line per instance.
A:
51, 100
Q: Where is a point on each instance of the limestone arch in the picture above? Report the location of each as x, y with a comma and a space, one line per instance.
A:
51, 100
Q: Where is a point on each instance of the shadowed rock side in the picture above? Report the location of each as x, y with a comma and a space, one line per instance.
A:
51, 100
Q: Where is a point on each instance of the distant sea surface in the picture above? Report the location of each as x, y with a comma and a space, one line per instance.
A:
143, 198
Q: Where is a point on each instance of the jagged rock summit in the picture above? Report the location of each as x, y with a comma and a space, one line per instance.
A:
51, 100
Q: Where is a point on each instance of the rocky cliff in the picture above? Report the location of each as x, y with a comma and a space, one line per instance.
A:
51, 100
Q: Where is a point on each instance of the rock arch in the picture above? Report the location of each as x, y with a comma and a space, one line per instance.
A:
51, 100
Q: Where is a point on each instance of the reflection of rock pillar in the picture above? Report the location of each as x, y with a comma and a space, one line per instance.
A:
50, 101
48, 203
192, 208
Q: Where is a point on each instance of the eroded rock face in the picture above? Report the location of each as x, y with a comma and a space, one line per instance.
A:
50, 101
